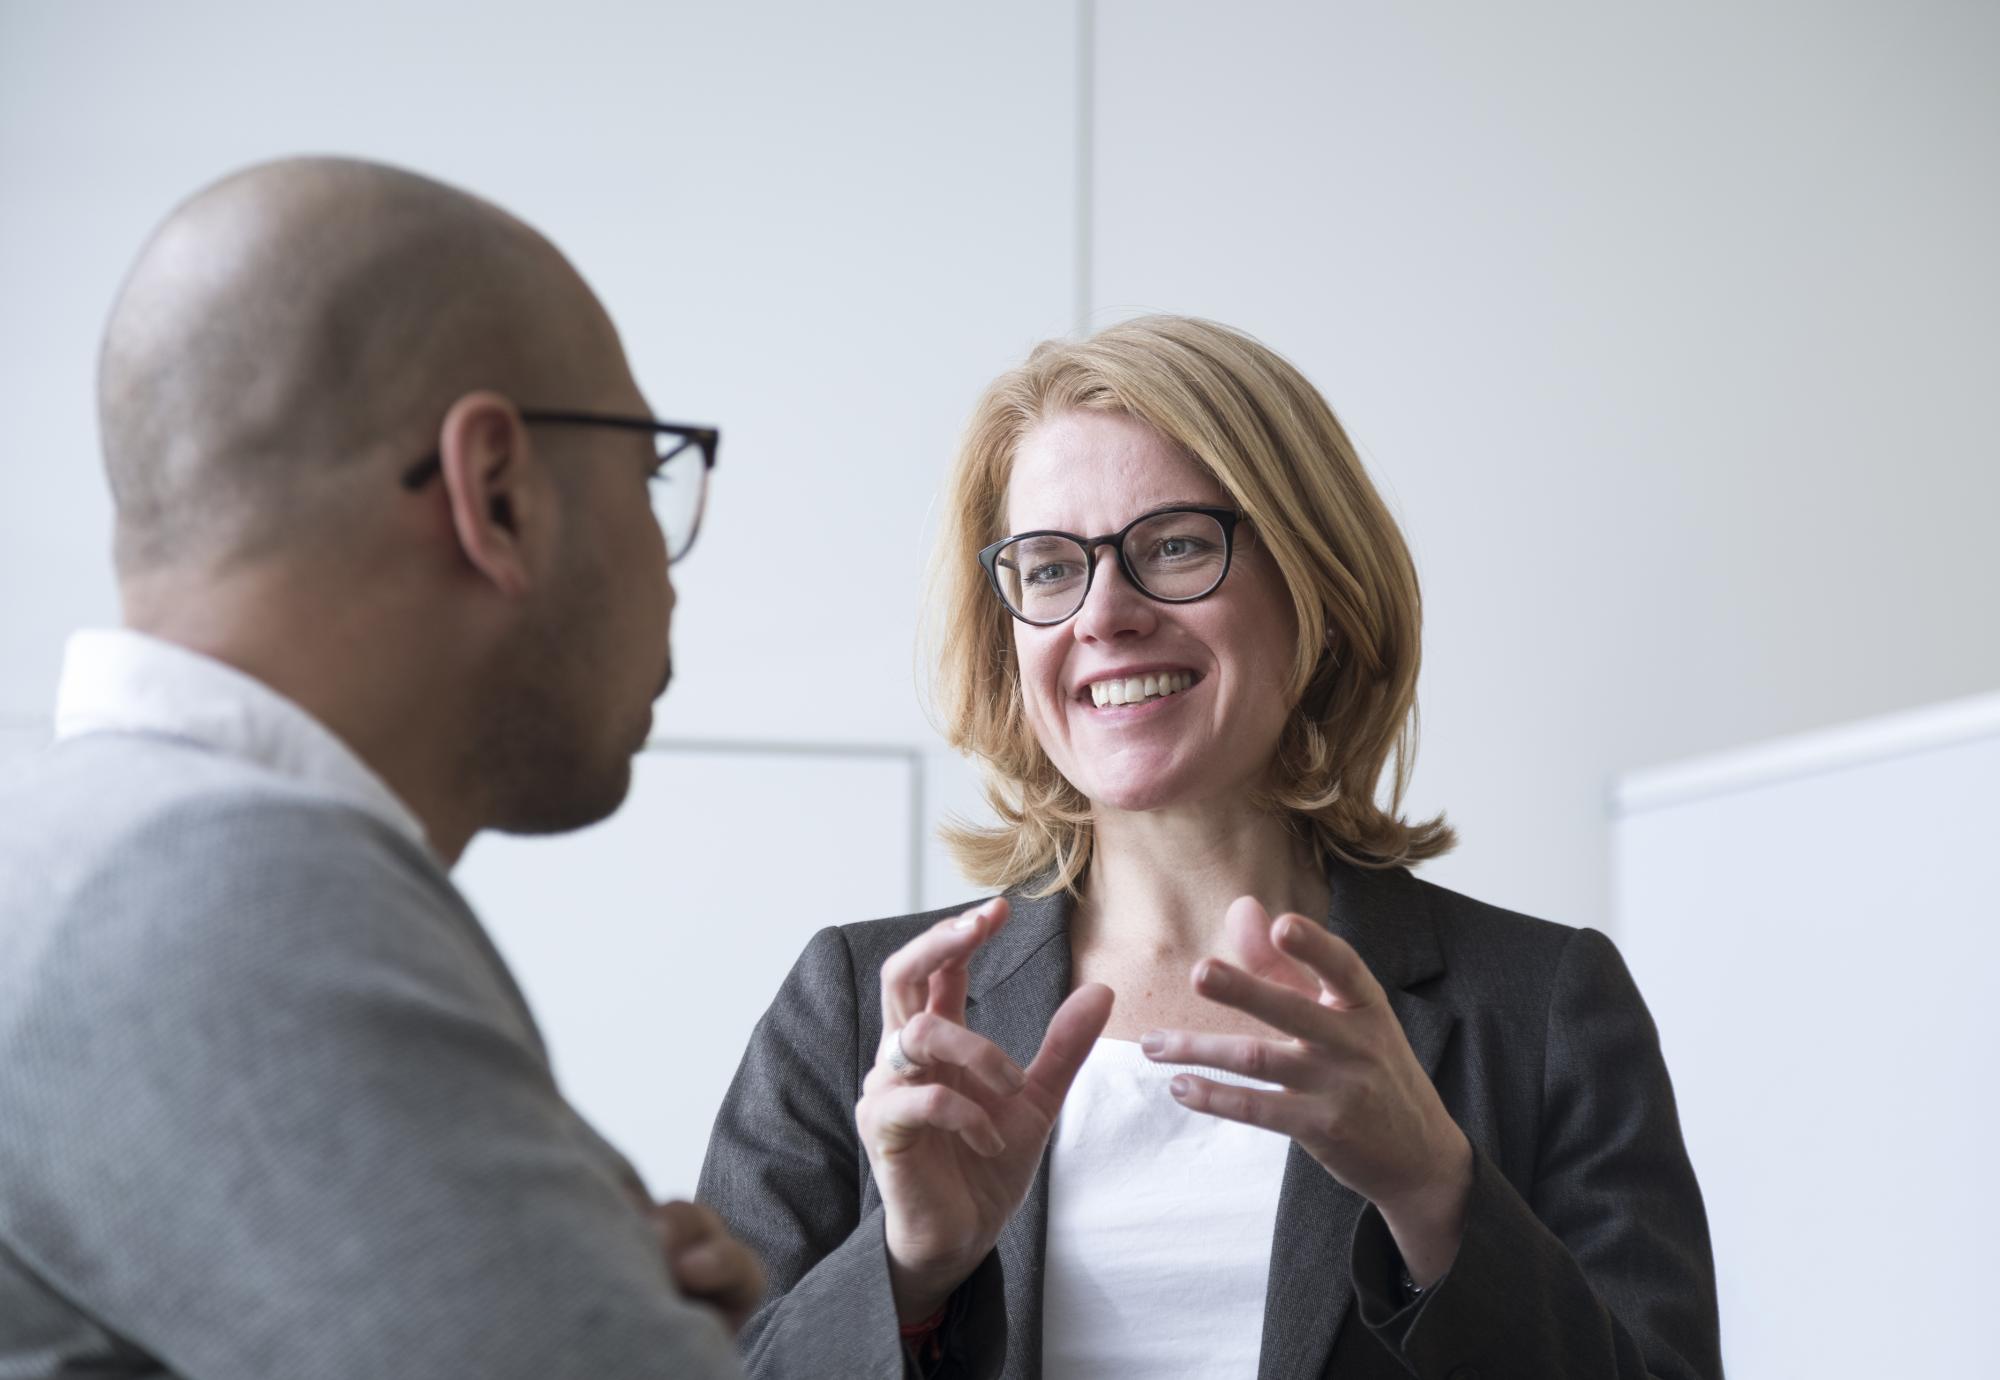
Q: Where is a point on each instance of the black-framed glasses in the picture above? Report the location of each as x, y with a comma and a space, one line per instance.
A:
679, 482
1174, 555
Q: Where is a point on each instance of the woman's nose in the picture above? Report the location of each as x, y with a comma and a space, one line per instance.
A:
1113, 607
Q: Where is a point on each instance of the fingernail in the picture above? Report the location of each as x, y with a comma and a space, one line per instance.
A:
965, 922
1016, 1079
1181, 1086
1152, 1042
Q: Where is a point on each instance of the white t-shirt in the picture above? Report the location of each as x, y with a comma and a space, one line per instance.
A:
1160, 1224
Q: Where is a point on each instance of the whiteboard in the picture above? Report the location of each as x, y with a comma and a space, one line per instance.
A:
1816, 926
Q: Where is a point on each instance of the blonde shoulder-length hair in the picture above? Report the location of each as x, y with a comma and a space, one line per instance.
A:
1275, 446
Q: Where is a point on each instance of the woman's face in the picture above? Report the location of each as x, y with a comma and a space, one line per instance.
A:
1093, 472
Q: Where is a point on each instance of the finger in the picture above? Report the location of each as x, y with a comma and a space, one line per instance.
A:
1286, 1113
684, 1224
1332, 959
1281, 1008
894, 1119
932, 1041
947, 992
906, 975
1246, 929
724, 1270
722, 1274
1269, 1061
1072, 1031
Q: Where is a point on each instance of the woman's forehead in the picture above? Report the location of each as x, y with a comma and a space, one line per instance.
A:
1095, 472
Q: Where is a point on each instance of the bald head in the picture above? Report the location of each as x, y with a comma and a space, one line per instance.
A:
293, 334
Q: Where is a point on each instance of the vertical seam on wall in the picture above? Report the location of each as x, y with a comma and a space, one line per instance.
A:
1086, 140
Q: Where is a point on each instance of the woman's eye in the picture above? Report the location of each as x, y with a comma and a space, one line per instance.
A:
1053, 572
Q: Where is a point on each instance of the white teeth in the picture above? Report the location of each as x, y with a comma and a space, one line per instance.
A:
1137, 689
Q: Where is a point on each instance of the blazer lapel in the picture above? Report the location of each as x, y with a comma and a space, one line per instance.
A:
1386, 917
1014, 986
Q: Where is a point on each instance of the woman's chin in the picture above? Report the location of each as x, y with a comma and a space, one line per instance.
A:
1141, 793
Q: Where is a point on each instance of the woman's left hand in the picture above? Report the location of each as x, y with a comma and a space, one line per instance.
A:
1351, 1092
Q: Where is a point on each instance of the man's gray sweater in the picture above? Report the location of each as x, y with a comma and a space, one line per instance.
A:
272, 1108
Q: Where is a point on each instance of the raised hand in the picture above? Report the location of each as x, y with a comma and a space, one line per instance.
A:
1351, 1092
953, 1128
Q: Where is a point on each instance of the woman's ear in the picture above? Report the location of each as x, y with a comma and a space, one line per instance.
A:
498, 496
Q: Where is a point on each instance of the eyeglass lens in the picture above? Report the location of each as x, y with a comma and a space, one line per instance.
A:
1171, 555
677, 489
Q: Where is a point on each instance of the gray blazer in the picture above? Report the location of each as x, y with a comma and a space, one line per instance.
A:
272, 1107
1586, 1249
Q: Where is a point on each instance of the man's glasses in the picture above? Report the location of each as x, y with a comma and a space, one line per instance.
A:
679, 484
1175, 555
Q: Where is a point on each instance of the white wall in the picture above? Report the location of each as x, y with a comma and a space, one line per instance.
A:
1817, 922
820, 227
1665, 331
823, 228
1671, 332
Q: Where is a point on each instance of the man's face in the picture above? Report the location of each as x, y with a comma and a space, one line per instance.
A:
594, 653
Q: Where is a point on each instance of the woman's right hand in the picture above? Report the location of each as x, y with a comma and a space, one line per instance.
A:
956, 1137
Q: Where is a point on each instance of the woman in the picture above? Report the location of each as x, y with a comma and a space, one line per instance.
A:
1393, 1131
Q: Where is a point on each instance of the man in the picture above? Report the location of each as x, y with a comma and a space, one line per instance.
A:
270, 1104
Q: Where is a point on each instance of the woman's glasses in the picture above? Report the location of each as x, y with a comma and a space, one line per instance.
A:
1174, 555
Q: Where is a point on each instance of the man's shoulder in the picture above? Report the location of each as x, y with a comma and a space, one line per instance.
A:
118, 852
108, 796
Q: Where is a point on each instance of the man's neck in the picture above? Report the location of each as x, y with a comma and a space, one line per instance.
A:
343, 662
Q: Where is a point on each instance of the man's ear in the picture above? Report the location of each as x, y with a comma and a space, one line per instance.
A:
500, 503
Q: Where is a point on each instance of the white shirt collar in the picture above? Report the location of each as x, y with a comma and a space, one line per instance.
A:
118, 681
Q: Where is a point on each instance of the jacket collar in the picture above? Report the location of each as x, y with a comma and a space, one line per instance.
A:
1022, 974
1013, 987
1386, 915
1033, 926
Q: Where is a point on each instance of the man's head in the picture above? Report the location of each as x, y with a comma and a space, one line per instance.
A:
290, 340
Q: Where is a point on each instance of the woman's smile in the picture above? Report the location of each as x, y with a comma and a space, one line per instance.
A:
1134, 689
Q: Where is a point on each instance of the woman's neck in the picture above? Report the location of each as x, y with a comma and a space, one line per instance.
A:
1160, 881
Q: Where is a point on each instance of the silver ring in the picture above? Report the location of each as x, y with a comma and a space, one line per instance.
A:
900, 1062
